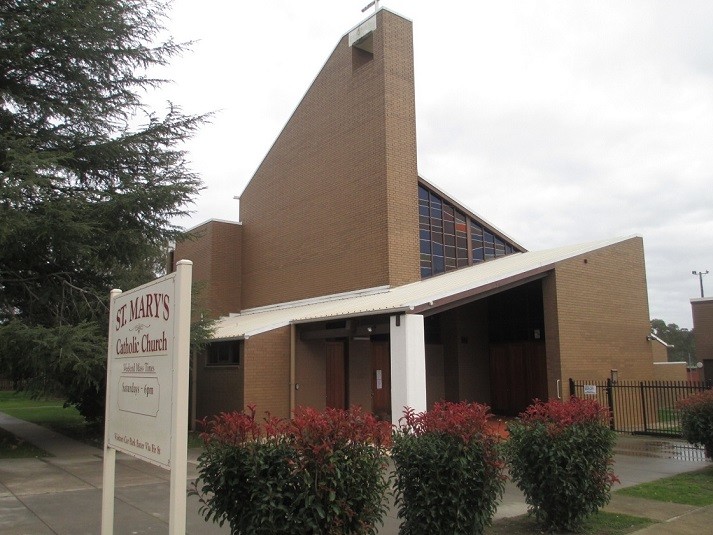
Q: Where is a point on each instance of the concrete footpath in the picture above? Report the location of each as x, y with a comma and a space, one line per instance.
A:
62, 494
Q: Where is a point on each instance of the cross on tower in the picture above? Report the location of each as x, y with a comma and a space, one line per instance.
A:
375, 3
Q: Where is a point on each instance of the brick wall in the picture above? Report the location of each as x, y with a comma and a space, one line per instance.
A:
552, 337
702, 310
333, 206
215, 250
267, 372
670, 371
659, 351
599, 305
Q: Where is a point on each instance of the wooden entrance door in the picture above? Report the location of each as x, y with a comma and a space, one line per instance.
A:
518, 374
336, 378
381, 380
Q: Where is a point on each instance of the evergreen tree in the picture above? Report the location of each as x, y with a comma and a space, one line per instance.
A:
89, 181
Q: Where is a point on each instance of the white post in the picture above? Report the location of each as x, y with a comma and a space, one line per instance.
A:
179, 418
408, 365
109, 466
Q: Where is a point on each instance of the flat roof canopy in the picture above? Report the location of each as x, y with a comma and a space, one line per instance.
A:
422, 297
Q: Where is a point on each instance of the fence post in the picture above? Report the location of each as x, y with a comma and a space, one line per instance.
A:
572, 392
610, 402
643, 406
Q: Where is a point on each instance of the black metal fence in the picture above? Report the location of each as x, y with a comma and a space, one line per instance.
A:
640, 407
6, 384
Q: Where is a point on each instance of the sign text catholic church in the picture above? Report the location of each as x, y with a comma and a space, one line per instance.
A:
142, 331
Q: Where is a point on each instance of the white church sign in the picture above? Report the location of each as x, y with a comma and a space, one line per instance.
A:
147, 385
141, 359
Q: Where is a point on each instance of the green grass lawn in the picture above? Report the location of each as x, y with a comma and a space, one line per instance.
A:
12, 447
691, 488
601, 523
52, 414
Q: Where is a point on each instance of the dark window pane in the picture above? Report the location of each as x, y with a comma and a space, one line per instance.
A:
449, 239
438, 264
478, 254
438, 249
450, 252
423, 210
476, 230
425, 272
435, 201
224, 353
426, 246
422, 193
425, 234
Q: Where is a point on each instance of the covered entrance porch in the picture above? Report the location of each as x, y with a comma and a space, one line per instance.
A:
488, 348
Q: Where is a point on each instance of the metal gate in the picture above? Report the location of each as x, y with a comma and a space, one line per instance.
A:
640, 407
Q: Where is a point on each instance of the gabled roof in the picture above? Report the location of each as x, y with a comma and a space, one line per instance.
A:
422, 297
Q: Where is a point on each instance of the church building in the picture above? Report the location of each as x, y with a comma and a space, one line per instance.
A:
352, 280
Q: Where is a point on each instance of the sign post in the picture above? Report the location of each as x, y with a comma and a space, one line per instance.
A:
147, 385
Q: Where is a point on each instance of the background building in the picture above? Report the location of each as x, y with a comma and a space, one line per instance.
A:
702, 310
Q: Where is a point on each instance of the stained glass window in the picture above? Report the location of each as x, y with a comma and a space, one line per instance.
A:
450, 239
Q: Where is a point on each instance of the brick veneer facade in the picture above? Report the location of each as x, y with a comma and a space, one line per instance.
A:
597, 316
267, 372
333, 207
215, 248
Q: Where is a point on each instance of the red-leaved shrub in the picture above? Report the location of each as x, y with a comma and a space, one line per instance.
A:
560, 455
321, 472
697, 420
449, 473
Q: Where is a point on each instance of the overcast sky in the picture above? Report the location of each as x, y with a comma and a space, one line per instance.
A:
559, 121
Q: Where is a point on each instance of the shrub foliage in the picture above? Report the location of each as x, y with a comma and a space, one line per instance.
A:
321, 472
697, 420
449, 473
560, 456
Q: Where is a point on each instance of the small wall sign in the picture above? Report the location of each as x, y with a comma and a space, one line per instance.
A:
590, 390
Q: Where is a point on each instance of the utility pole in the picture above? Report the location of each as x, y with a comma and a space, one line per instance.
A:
700, 278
